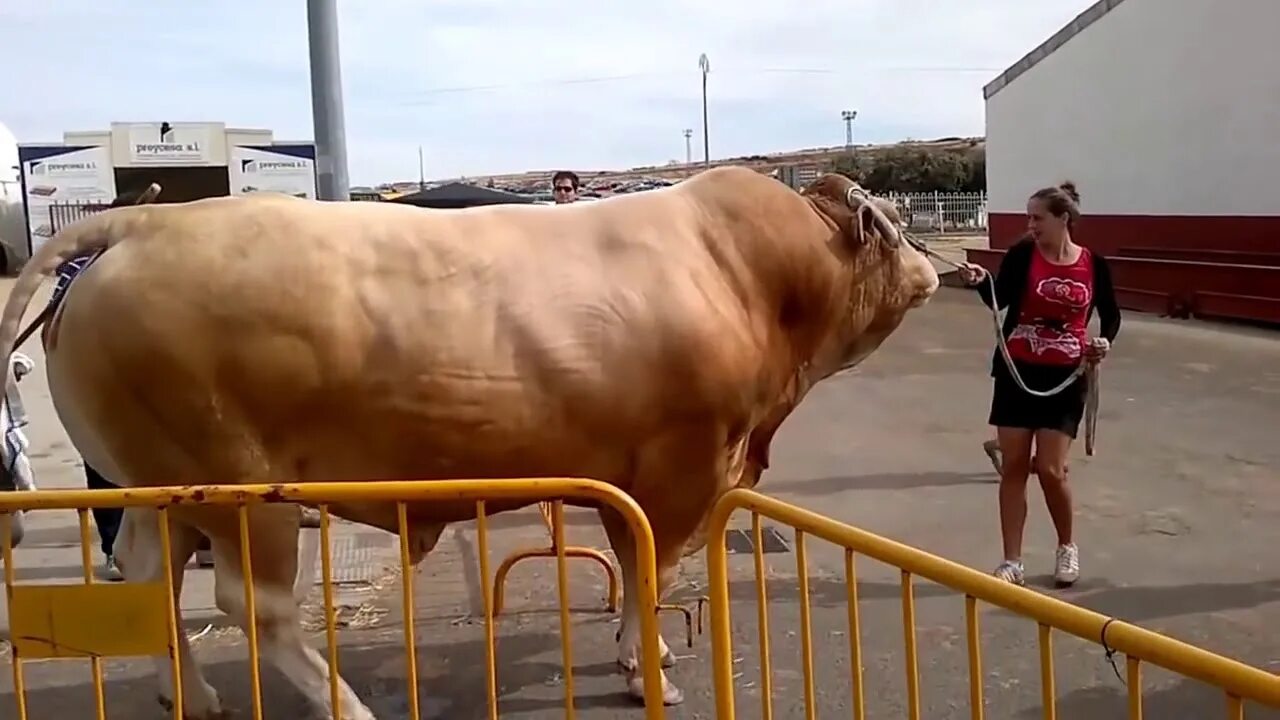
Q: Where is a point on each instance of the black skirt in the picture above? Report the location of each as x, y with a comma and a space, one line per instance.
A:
1011, 407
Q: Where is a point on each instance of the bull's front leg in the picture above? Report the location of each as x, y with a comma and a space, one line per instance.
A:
678, 476
629, 631
628, 635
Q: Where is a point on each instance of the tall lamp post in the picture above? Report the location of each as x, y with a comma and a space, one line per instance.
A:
326, 100
705, 66
848, 116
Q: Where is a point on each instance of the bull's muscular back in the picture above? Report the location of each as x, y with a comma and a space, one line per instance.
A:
359, 340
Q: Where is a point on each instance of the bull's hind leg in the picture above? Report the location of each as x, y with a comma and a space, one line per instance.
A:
139, 552
273, 555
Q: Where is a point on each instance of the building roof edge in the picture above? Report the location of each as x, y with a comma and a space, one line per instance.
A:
1091, 15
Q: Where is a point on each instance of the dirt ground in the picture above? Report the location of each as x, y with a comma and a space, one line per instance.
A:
1178, 519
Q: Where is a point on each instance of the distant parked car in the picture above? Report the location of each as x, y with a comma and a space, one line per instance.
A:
13, 223
13, 229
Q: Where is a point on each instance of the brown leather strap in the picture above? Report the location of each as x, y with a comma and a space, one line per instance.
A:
40, 320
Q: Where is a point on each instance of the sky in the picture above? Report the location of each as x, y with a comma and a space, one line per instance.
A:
493, 86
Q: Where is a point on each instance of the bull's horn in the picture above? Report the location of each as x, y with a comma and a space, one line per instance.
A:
148, 195
887, 229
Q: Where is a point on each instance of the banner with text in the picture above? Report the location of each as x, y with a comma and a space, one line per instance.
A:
263, 169
82, 176
171, 144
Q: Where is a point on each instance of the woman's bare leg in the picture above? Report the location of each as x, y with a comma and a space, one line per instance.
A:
1052, 449
1015, 449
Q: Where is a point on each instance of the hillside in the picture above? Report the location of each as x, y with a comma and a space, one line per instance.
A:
823, 157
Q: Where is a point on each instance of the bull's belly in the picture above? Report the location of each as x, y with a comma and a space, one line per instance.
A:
429, 456
429, 459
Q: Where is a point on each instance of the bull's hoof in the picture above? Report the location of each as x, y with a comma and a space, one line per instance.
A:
310, 517
17, 529
671, 695
214, 712
667, 662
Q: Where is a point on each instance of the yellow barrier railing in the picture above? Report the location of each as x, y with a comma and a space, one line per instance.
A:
550, 551
131, 619
585, 553
1238, 681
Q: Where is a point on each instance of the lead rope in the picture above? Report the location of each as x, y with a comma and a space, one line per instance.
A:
1088, 369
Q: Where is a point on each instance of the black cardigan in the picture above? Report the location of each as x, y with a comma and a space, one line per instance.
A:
1011, 282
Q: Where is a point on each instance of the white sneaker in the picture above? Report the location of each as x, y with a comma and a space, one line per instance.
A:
111, 571
1067, 566
1011, 572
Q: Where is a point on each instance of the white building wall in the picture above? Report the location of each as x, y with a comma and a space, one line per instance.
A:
1161, 107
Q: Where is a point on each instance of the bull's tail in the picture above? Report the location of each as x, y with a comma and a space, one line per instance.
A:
96, 232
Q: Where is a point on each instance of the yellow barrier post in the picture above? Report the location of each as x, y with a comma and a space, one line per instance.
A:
131, 619
1237, 680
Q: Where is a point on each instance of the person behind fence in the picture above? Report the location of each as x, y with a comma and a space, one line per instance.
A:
1049, 287
564, 187
16, 474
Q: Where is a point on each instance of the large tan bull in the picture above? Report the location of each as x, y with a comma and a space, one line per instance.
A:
653, 341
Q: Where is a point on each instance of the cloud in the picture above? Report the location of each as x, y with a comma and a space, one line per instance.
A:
487, 86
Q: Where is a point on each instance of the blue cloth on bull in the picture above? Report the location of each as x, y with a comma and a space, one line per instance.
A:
68, 271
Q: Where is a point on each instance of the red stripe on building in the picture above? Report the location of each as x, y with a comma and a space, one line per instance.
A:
1113, 234
1208, 266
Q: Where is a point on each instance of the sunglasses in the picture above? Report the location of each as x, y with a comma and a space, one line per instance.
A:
564, 188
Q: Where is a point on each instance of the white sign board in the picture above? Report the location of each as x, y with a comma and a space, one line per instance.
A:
170, 144
261, 169
75, 177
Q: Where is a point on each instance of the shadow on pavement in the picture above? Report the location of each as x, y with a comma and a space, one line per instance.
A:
822, 487
1184, 700
452, 681
823, 592
1139, 604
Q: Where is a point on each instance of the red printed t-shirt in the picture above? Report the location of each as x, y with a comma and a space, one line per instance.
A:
1053, 319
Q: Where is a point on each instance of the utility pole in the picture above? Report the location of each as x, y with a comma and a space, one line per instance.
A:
422, 175
326, 100
848, 116
705, 66
688, 146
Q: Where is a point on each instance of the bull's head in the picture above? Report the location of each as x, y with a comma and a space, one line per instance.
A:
881, 275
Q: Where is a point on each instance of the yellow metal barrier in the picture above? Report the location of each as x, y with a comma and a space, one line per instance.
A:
1238, 681
96, 621
573, 551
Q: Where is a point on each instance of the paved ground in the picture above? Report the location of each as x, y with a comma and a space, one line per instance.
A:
1177, 519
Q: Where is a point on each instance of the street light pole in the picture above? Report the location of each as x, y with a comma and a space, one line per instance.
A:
326, 100
705, 66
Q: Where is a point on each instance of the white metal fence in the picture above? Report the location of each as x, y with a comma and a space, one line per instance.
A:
939, 212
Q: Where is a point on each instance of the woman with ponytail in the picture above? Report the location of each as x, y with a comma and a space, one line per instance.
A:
1048, 286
